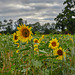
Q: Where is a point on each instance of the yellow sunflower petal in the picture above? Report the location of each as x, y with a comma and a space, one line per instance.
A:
54, 43
15, 37
24, 33
61, 54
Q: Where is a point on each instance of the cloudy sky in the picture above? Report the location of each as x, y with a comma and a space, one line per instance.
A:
42, 11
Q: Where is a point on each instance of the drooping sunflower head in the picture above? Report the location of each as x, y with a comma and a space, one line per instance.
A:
24, 33
15, 37
36, 41
60, 52
54, 43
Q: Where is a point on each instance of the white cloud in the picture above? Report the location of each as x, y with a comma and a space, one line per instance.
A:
31, 10
20, 6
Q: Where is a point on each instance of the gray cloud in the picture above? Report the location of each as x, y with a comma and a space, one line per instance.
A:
31, 10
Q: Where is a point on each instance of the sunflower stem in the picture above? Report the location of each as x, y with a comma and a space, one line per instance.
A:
32, 47
44, 71
52, 64
74, 48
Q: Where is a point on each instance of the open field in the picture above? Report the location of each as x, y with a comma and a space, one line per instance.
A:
24, 59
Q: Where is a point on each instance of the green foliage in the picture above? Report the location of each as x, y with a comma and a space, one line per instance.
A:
65, 19
27, 61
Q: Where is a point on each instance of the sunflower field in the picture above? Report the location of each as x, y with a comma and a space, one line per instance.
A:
24, 53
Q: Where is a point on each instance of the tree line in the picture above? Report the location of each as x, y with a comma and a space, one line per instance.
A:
36, 27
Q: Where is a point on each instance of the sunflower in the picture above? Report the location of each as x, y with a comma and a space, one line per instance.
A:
36, 49
43, 41
36, 41
35, 45
24, 33
42, 36
15, 37
61, 54
40, 39
53, 43
71, 39
17, 51
17, 45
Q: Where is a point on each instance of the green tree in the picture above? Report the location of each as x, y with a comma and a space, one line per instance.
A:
69, 11
20, 21
36, 27
9, 26
11, 21
65, 19
8, 29
0, 23
5, 21
60, 21
46, 28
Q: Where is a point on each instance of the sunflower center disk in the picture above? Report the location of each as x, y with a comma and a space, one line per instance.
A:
16, 37
25, 32
59, 52
53, 43
36, 41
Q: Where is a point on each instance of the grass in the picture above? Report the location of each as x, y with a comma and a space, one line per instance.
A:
29, 62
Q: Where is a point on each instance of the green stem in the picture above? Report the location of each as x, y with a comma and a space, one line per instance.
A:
44, 71
32, 47
74, 48
52, 64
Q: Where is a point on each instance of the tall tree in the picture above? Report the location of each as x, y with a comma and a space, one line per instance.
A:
25, 22
65, 19
10, 22
46, 28
53, 25
5, 21
60, 21
36, 27
0, 24
20, 21
69, 11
